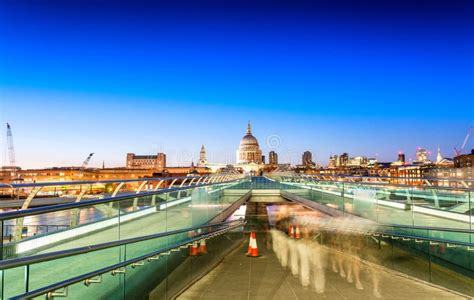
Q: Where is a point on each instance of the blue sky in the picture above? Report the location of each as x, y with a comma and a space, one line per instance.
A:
369, 78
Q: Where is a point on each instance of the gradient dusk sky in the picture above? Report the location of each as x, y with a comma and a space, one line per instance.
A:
365, 77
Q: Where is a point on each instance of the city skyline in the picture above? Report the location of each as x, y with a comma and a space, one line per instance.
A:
270, 143
264, 149
321, 79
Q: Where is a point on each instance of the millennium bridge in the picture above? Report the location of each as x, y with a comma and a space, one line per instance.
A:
188, 238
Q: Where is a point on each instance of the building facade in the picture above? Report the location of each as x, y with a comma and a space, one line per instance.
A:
75, 173
464, 160
249, 150
421, 156
202, 157
273, 158
343, 160
307, 159
249, 155
155, 162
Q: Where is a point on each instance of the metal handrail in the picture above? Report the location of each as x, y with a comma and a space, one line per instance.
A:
386, 184
77, 279
22, 261
416, 227
80, 182
68, 282
58, 207
431, 228
399, 235
392, 177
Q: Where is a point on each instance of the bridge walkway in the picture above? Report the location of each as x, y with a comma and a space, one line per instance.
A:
241, 277
263, 277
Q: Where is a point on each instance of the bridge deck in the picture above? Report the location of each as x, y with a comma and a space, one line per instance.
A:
241, 277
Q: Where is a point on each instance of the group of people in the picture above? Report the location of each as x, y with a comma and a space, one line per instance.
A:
305, 258
320, 248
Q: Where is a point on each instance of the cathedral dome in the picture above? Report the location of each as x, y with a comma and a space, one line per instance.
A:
249, 140
249, 149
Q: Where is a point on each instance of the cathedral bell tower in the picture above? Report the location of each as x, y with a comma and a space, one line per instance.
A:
202, 157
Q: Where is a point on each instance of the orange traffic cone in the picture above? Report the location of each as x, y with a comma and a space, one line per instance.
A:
291, 232
297, 232
202, 246
193, 249
250, 242
253, 246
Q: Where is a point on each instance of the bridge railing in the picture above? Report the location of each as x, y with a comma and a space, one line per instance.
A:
392, 180
24, 195
131, 266
449, 207
422, 252
88, 222
434, 224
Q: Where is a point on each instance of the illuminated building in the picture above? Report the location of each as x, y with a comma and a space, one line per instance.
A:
202, 157
249, 149
333, 161
91, 174
421, 157
358, 161
249, 155
156, 162
443, 162
401, 158
343, 160
273, 158
464, 160
307, 159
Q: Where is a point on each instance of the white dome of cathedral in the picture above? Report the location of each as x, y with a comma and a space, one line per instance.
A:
248, 140
249, 149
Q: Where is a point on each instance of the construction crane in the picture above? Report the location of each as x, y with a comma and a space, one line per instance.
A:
86, 162
11, 151
459, 151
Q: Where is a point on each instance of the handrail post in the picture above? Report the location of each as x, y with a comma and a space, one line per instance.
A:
19, 221
181, 185
75, 211
469, 198
153, 197
135, 200
343, 201
172, 182
111, 204
2, 228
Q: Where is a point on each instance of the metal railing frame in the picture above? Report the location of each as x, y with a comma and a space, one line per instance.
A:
58, 207
90, 275
39, 258
369, 183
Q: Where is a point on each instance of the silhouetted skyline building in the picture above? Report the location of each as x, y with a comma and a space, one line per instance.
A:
273, 158
307, 159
